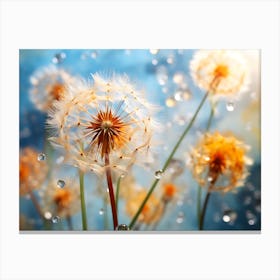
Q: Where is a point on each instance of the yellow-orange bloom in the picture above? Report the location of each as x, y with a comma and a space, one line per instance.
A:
220, 161
221, 72
152, 211
32, 172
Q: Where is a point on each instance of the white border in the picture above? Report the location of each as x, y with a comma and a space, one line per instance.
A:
116, 24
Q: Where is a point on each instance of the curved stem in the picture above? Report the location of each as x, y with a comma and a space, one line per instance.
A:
168, 161
117, 192
83, 204
213, 105
201, 220
198, 204
111, 191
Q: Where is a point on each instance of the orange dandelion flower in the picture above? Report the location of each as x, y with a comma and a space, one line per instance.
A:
32, 172
220, 161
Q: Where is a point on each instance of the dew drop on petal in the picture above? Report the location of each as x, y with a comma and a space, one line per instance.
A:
180, 218
230, 106
229, 216
101, 211
170, 102
122, 227
41, 157
60, 184
155, 61
47, 215
55, 219
158, 174
59, 58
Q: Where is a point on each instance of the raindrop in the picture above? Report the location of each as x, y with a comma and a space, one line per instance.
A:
178, 95
170, 60
251, 217
55, 219
122, 175
154, 51
229, 216
158, 174
93, 55
210, 179
170, 102
206, 158
101, 211
162, 75
41, 157
60, 183
155, 61
176, 166
122, 227
230, 106
180, 218
247, 200
47, 215
59, 58
178, 78
164, 89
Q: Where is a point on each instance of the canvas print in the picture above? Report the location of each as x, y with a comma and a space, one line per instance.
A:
145, 140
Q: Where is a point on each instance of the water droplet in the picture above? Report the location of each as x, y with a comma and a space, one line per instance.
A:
59, 58
176, 167
178, 78
164, 89
258, 207
60, 183
155, 61
122, 175
209, 179
170, 102
206, 158
93, 55
251, 217
41, 157
154, 51
47, 215
101, 211
229, 216
170, 60
161, 75
180, 218
122, 227
158, 174
178, 95
55, 219
230, 106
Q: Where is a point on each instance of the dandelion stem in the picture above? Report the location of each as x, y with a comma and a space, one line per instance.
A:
134, 219
117, 192
83, 204
199, 192
111, 191
201, 220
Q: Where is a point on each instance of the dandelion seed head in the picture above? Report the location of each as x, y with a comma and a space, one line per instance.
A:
222, 72
106, 116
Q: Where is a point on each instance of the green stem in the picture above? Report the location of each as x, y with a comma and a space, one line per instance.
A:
117, 192
201, 220
198, 203
134, 219
211, 116
83, 204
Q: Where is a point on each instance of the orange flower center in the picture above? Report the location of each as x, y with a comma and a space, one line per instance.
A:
24, 172
57, 91
108, 131
217, 163
62, 198
169, 190
221, 71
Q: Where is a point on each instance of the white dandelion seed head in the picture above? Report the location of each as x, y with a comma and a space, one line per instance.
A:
109, 116
222, 72
49, 84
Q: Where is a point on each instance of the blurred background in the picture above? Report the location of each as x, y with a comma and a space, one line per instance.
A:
165, 76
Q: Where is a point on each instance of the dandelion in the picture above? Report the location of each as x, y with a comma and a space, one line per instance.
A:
152, 211
219, 162
62, 202
32, 174
221, 72
49, 84
104, 126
